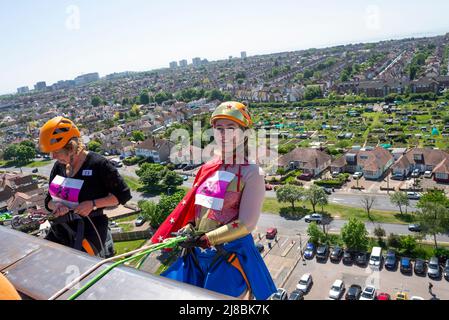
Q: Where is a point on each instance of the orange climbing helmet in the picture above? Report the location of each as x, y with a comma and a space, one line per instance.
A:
234, 111
56, 133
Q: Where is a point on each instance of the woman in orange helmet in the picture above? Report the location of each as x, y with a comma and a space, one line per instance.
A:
81, 184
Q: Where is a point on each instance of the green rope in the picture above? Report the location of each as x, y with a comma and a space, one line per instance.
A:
169, 243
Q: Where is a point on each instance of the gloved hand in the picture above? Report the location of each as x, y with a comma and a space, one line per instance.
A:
200, 241
187, 230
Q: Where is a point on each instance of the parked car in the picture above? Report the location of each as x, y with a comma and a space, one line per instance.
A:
433, 270
185, 178
354, 292
420, 267
296, 295
416, 298
446, 270
305, 283
413, 195
361, 258
327, 191
357, 175
335, 174
36, 170
375, 260
271, 233
348, 257
322, 252
383, 296
399, 177
140, 221
369, 293
337, 290
316, 217
415, 173
306, 176
281, 294
390, 260
428, 174
414, 227
268, 187
336, 254
401, 295
406, 265
310, 251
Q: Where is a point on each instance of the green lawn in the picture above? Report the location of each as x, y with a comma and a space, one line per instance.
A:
127, 219
126, 226
271, 205
127, 246
36, 164
133, 183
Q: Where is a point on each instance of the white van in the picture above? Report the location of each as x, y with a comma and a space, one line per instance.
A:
376, 258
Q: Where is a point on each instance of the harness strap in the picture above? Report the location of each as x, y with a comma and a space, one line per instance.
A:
234, 261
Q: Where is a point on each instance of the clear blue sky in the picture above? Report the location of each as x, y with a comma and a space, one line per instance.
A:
42, 40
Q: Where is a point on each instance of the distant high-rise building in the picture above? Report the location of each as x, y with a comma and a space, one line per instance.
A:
63, 84
183, 63
39, 86
173, 65
196, 61
87, 78
230, 57
243, 54
23, 89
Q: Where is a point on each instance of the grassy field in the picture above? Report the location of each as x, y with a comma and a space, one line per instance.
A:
127, 246
133, 183
36, 164
127, 219
271, 205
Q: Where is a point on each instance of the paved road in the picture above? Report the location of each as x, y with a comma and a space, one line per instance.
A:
292, 227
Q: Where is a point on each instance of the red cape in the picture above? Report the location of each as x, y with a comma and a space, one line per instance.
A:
184, 212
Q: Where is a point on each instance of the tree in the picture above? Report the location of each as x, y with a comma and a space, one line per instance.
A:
162, 96
138, 136
367, 203
96, 101
94, 146
315, 234
316, 195
408, 244
313, 92
10, 152
135, 111
149, 211
400, 199
379, 232
354, 234
25, 154
433, 219
433, 196
167, 204
172, 180
151, 174
290, 194
215, 94
144, 98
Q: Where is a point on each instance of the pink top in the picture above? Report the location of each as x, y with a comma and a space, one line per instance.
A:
233, 192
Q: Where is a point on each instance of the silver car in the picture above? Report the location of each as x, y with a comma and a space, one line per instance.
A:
433, 268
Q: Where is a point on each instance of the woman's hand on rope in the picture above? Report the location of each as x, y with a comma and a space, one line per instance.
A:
60, 210
84, 208
200, 241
